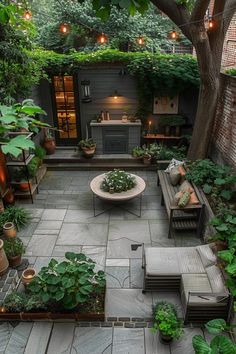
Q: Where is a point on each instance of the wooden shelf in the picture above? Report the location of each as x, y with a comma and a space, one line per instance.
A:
40, 174
161, 137
20, 163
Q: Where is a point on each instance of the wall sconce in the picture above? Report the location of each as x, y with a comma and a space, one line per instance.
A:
115, 95
86, 91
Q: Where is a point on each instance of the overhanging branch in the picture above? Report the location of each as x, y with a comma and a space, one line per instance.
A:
177, 13
199, 10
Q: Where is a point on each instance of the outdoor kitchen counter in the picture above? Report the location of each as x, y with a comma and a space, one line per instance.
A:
115, 122
115, 136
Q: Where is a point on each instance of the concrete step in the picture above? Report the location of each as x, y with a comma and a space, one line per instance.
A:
98, 166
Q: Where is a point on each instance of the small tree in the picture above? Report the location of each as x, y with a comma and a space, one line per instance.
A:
189, 16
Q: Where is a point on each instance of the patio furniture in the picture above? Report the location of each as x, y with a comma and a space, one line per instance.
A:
116, 198
190, 217
192, 272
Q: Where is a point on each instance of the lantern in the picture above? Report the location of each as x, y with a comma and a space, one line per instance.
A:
64, 28
140, 40
27, 15
86, 91
102, 39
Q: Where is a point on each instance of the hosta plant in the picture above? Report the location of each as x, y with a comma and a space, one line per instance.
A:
68, 283
219, 344
117, 181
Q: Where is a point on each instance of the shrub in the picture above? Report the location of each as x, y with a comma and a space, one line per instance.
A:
117, 181
17, 215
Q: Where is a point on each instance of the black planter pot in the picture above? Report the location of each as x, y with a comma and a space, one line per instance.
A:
164, 339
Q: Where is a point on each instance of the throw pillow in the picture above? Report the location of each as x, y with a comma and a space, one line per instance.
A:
177, 197
174, 176
173, 163
193, 199
184, 200
182, 170
206, 254
186, 187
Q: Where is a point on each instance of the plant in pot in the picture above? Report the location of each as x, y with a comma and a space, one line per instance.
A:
118, 181
165, 320
40, 153
137, 152
147, 157
17, 215
14, 248
168, 121
20, 176
88, 146
49, 142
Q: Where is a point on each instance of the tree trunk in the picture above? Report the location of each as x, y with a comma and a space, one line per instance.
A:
204, 120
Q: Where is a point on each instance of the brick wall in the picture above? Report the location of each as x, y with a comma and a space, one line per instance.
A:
223, 147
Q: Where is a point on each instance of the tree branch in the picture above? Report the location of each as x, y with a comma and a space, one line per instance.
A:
200, 9
177, 13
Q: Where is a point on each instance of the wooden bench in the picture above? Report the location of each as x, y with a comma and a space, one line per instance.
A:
191, 217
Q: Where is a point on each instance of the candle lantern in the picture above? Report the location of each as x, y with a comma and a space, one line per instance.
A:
27, 15
86, 91
64, 28
140, 40
28, 275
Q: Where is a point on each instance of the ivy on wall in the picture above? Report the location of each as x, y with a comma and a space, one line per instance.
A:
156, 74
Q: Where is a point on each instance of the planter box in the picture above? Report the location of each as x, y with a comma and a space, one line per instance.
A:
34, 316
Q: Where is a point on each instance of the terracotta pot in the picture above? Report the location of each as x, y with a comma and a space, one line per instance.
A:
4, 264
25, 186
28, 275
1, 206
9, 230
14, 261
9, 197
49, 145
89, 152
147, 160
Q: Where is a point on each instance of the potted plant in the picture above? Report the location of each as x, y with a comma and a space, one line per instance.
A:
9, 229
28, 275
88, 146
165, 320
40, 153
137, 152
49, 142
147, 157
14, 248
169, 121
17, 215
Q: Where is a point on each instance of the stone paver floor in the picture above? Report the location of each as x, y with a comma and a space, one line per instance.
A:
62, 220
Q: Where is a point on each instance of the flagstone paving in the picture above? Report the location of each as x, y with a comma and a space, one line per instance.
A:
62, 220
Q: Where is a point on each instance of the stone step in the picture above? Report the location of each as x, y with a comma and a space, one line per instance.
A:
99, 166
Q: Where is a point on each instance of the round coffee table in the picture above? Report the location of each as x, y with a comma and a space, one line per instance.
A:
116, 198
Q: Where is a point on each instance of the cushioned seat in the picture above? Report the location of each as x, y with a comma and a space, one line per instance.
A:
197, 283
189, 260
161, 261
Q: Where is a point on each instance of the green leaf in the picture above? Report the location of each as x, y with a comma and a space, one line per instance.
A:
68, 282
83, 279
53, 280
71, 256
226, 194
222, 227
15, 145
59, 294
61, 268
231, 269
219, 181
216, 326
224, 345
200, 345
45, 297
207, 188
8, 119
227, 255
87, 289
32, 110
80, 298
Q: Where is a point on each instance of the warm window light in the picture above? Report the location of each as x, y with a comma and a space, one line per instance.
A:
140, 40
102, 38
27, 15
64, 28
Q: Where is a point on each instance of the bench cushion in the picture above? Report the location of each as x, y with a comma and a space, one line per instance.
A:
216, 279
172, 261
207, 255
197, 283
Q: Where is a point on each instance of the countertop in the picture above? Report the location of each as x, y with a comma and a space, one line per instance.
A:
113, 122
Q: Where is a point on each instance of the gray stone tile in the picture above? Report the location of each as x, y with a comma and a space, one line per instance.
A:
41, 262
172, 297
61, 338
97, 254
39, 337
5, 334
25, 240
83, 234
112, 262
153, 345
53, 214
159, 234
184, 344
36, 212
59, 251
19, 338
28, 230
130, 341
124, 233
117, 277
92, 341
136, 274
41, 245
48, 225
85, 216
128, 303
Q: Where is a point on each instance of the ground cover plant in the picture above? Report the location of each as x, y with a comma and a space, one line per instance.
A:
160, 151
19, 216
118, 181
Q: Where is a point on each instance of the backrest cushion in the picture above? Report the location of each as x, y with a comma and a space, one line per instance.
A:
193, 199
206, 254
216, 279
173, 163
174, 176
186, 187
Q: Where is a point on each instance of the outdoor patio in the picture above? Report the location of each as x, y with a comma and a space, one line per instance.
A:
63, 221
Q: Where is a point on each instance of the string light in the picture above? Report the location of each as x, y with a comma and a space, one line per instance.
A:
173, 34
27, 15
140, 40
210, 22
64, 28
